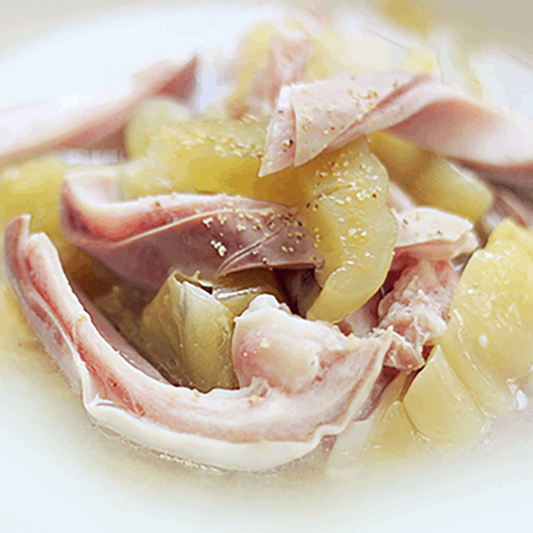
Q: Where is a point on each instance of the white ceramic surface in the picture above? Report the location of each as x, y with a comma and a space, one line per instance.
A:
59, 473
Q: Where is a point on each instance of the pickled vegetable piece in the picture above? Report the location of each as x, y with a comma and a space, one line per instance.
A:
142, 177
33, 186
149, 120
358, 437
394, 434
353, 229
440, 405
341, 195
209, 157
431, 179
188, 333
255, 48
236, 291
489, 336
449, 187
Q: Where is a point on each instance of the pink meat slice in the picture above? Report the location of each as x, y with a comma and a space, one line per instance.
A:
89, 121
256, 427
144, 240
411, 316
287, 64
325, 115
432, 234
416, 312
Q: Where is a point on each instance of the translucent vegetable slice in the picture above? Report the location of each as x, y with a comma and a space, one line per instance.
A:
33, 186
187, 333
236, 291
440, 405
489, 337
341, 195
394, 434
149, 120
431, 179
208, 157
353, 229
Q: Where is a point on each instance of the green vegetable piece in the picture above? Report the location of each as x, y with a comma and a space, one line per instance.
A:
236, 291
188, 333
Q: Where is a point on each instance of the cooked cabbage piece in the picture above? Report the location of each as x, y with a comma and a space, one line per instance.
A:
353, 229
187, 333
441, 406
432, 180
236, 291
489, 337
149, 120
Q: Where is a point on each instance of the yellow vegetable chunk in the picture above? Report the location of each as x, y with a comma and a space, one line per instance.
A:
34, 187
209, 157
236, 291
440, 405
254, 54
489, 337
421, 60
149, 120
393, 434
187, 332
432, 180
142, 177
353, 229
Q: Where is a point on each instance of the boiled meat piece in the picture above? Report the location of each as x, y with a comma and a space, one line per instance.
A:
287, 63
89, 121
416, 312
434, 235
256, 427
364, 320
411, 316
144, 240
325, 115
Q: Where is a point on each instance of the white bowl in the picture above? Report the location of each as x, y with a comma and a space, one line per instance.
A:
59, 473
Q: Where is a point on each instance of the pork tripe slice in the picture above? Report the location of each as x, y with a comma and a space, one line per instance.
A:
256, 427
89, 120
325, 115
144, 240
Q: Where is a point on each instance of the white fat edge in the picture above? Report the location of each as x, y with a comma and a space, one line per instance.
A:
255, 456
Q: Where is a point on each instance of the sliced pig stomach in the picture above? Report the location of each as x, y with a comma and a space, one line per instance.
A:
144, 240
270, 421
89, 120
326, 115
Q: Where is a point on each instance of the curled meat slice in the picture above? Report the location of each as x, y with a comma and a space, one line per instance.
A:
87, 121
143, 240
434, 235
256, 427
325, 115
